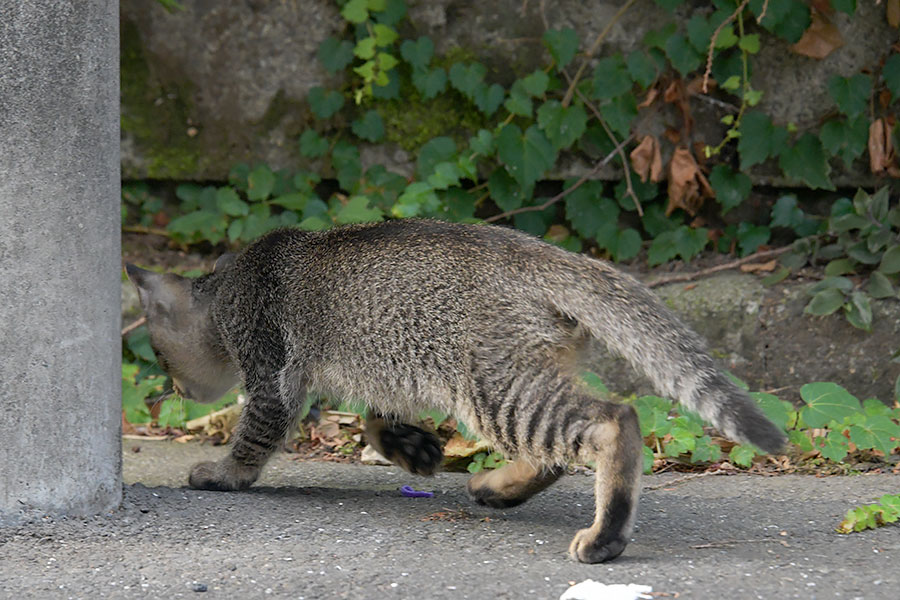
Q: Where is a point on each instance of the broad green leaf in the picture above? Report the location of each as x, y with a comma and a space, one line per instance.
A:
365, 48
619, 113
482, 142
880, 286
699, 32
434, 151
682, 55
750, 237
834, 446
467, 77
505, 192
384, 35
859, 311
611, 77
536, 83
825, 302
357, 210
800, 439
312, 145
418, 54
355, 11
890, 262
230, 203
260, 183
847, 6
778, 411
826, 402
430, 83
759, 140
489, 98
891, 74
846, 139
626, 244
840, 266
805, 161
293, 201
563, 125
669, 5
876, 432
445, 174
642, 68
518, 103
742, 456
587, 210
837, 283
526, 155
788, 19
335, 54
369, 127
731, 187
749, 43
324, 103
562, 44
648, 460
346, 162
850, 93
705, 450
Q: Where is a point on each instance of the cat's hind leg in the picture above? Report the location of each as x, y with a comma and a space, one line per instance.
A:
407, 446
511, 484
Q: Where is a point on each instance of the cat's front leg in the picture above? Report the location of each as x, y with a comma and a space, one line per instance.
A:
263, 426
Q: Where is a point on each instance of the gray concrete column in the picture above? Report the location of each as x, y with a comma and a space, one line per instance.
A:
60, 448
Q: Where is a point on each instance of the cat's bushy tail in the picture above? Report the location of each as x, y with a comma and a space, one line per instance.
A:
623, 313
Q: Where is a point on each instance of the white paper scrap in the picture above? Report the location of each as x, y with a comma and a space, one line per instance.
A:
594, 590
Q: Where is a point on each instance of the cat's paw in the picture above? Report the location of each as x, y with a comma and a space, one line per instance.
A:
412, 448
225, 475
589, 547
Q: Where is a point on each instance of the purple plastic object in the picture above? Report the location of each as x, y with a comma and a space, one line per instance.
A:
411, 493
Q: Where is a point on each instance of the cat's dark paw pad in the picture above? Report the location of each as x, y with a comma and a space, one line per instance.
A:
412, 448
222, 476
589, 547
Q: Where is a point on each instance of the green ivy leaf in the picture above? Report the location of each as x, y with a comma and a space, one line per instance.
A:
682, 241
365, 48
826, 402
851, 94
653, 415
778, 411
876, 432
434, 151
260, 183
742, 456
611, 77
312, 145
482, 142
846, 139
419, 53
759, 140
335, 54
682, 55
805, 161
619, 113
563, 125
642, 68
669, 5
536, 83
355, 11
445, 174
390, 12
834, 446
230, 203
847, 6
562, 44
294, 201
749, 43
587, 210
467, 77
788, 19
430, 83
705, 450
891, 74
699, 32
859, 311
750, 237
731, 187
357, 210
370, 127
489, 99
347, 165
625, 245
324, 103
527, 155
505, 192
384, 35
417, 199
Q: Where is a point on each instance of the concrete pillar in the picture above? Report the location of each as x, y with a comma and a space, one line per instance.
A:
60, 397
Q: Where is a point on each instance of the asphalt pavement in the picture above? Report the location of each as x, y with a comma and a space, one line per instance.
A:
314, 530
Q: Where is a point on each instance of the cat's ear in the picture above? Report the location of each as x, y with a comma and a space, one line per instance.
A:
159, 292
223, 262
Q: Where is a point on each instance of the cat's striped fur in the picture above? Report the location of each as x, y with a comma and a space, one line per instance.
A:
487, 323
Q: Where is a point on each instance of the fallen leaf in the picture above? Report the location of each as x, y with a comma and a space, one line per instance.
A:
882, 156
820, 39
458, 446
893, 13
688, 187
754, 267
557, 233
652, 94
646, 160
677, 95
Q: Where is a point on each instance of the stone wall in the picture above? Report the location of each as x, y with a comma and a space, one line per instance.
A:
223, 82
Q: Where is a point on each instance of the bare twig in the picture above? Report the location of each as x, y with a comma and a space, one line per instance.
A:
691, 477
712, 43
629, 189
596, 46
762, 13
730, 543
145, 230
723, 267
133, 326
566, 191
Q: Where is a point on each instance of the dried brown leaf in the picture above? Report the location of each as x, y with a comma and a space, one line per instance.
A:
646, 159
688, 186
881, 148
652, 94
755, 267
820, 39
893, 13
